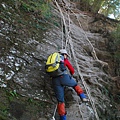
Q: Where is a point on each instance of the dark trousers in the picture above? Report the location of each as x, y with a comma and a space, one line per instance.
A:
60, 82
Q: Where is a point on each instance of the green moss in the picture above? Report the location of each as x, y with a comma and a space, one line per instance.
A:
38, 7
11, 101
2, 117
4, 105
27, 19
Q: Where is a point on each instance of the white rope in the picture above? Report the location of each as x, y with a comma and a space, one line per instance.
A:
53, 117
72, 49
62, 33
67, 36
93, 50
79, 72
81, 76
66, 31
64, 23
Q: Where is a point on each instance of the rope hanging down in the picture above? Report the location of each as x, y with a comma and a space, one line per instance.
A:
62, 33
93, 50
72, 49
80, 74
66, 31
64, 23
53, 117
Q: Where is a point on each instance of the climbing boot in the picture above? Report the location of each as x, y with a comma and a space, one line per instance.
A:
83, 98
63, 117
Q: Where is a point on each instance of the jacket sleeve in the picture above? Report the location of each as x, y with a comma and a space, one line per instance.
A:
69, 66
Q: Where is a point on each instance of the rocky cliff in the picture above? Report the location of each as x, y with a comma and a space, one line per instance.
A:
27, 38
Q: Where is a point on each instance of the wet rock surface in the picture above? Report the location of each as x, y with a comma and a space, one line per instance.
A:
26, 90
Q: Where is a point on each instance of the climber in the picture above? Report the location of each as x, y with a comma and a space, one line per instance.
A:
63, 80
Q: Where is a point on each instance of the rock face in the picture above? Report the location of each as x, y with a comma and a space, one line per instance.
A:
27, 91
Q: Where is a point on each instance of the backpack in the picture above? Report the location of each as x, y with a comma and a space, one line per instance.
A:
55, 65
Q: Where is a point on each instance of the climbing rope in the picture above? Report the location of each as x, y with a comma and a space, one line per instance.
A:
93, 50
69, 40
81, 76
64, 23
73, 53
62, 33
53, 117
67, 35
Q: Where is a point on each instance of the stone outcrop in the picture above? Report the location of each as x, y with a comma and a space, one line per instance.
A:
24, 50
